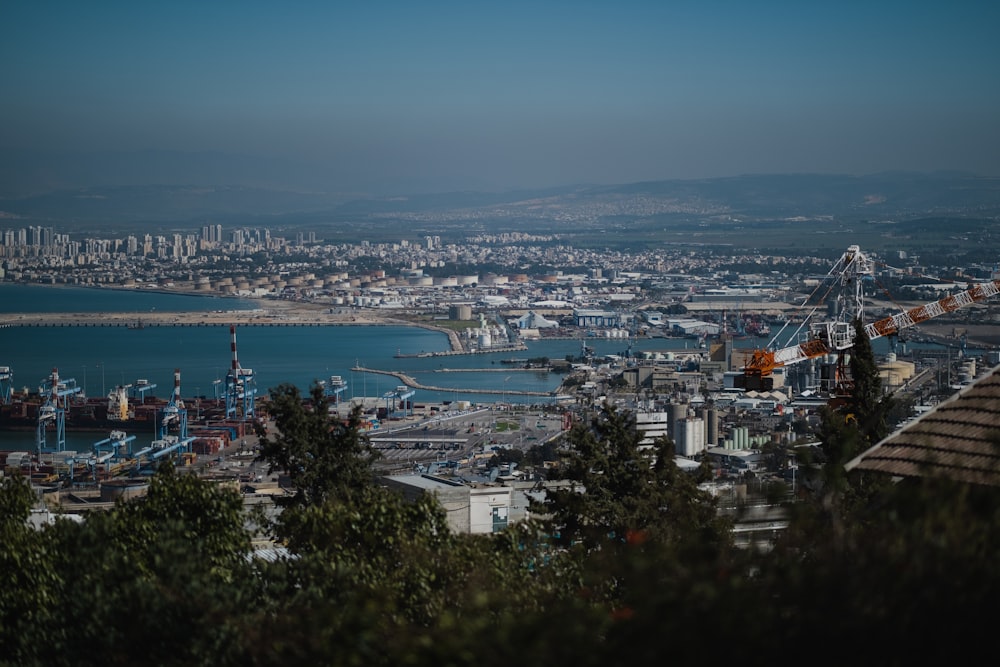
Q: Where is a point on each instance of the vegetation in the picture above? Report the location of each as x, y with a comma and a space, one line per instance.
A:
628, 562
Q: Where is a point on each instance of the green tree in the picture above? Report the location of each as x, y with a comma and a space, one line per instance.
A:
164, 579
848, 430
615, 489
507, 455
325, 458
30, 585
868, 404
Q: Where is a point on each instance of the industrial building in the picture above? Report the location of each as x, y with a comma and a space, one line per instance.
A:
475, 508
597, 318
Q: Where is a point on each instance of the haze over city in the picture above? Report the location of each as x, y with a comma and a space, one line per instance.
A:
393, 97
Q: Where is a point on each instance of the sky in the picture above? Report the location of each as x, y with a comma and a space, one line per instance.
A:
383, 96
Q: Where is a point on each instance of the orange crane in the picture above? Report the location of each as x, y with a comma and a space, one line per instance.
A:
838, 336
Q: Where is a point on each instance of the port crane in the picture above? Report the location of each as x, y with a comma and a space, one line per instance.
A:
837, 336
113, 449
241, 386
398, 398
53, 411
141, 387
334, 388
174, 416
6, 384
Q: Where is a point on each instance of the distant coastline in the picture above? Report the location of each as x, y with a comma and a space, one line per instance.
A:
263, 312
134, 290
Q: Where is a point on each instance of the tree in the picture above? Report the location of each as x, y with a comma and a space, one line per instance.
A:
324, 457
847, 431
30, 585
867, 403
507, 455
163, 579
617, 489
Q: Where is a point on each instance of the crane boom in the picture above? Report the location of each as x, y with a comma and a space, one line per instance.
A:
837, 336
890, 325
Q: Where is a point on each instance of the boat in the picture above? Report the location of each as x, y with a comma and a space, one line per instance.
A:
117, 411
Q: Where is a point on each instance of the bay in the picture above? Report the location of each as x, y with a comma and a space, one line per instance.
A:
98, 358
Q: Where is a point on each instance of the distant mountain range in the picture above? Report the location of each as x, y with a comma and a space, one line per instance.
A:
191, 189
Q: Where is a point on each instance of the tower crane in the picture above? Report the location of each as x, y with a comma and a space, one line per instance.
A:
838, 335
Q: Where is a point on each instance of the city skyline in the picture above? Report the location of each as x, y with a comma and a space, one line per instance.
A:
395, 98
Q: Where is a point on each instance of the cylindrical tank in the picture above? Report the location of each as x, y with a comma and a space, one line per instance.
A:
678, 412
712, 427
114, 489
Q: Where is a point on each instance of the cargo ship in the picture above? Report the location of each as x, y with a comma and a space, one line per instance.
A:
118, 410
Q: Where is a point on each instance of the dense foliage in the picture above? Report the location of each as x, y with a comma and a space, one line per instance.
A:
628, 562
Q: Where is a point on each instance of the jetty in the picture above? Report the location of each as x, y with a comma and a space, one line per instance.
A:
461, 351
411, 382
545, 369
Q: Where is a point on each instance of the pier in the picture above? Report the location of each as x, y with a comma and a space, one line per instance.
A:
453, 352
545, 369
409, 381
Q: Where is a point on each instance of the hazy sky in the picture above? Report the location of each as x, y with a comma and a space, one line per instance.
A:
424, 95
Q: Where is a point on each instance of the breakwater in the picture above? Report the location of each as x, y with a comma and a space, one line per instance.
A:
453, 352
413, 383
493, 370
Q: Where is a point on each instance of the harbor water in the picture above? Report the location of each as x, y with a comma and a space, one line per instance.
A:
99, 358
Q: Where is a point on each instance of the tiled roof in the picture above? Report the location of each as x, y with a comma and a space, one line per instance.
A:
959, 439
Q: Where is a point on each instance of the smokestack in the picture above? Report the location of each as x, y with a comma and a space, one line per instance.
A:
232, 344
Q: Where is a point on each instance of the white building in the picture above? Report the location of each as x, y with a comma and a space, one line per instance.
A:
652, 425
532, 320
476, 509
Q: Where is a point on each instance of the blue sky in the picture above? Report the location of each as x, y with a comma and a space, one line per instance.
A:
432, 96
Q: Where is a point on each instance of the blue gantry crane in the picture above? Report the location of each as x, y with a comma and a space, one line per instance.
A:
398, 398
241, 386
6, 384
53, 411
112, 450
173, 416
334, 388
141, 388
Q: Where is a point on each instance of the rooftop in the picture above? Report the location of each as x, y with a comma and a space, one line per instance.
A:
958, 440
